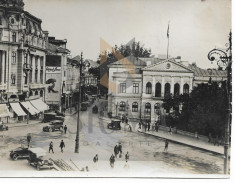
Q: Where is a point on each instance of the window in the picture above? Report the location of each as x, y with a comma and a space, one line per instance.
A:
176, 89
25, 58
186, 89
167, 90
158, 90
13, 59
134, 107
122, 87
148, 88
135, 87
122, 106
157, 108
36, 76
25, 78
148, 108
41, 76
41, 93
14, 36
13, 79
36, 92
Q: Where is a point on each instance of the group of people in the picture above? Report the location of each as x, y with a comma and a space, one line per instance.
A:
118, 150
62, 146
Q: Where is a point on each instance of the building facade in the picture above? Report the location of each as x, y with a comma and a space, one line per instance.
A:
137, 86
22, 54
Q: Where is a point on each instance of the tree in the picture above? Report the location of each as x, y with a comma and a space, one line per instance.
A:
203, 110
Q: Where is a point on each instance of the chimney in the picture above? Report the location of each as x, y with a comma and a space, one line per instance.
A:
178, 59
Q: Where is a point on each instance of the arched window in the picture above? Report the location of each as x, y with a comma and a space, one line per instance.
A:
134, 107
158, 90
41, 93
186, 89
36, 92
176, 89
122, 106
148, 88
157, 108
148, 108
167, 90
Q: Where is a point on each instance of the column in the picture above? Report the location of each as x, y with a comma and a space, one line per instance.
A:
163, 86
3, 67
39, 70
33, 69
172, 85
153, 86
190, 84
181, 85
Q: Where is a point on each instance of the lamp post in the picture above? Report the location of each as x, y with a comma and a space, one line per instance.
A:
224, 59
78, 108
28, 116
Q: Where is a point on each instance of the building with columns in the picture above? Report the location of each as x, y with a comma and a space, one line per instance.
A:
22, 55
137, 86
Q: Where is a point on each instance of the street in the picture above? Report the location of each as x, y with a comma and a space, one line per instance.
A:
95, 138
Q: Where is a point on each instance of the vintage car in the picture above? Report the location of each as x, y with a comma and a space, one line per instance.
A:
3, 127
52, 116
95, 109
115, 125
53, 126
36, 158
84, 106
19, 153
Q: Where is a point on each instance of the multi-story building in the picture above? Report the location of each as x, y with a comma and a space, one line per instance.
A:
137, 86
22, 57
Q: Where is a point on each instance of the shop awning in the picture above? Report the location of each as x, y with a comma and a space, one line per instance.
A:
28, 106
39, 104
4, 112
17, 109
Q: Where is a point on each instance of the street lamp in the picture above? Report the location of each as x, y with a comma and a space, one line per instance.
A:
28, 116
224, 59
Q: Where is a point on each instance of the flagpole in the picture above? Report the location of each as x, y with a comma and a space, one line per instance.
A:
168, 40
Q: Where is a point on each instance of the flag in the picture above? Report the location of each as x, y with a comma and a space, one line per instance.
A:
168, 31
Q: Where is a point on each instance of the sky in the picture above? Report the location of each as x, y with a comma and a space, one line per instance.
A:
195, 26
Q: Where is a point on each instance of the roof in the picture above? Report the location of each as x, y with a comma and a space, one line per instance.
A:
198, 72
56, 49
130, 60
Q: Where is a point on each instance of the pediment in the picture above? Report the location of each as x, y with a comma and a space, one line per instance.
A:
168, 66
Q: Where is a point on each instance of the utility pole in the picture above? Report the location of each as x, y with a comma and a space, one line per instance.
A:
78, 108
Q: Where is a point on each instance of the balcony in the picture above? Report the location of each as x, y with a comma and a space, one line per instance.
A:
27, 67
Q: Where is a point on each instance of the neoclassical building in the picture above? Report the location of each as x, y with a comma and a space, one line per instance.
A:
137, 86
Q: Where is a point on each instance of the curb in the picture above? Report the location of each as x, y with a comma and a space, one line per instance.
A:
24, 125
177, 142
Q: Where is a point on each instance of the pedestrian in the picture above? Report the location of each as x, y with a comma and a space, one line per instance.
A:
62, 145
170, 130
145, 127
126, 120
65, 129
127, 157
116, 150
28, 139
156, 127
95, 159
120, 149
166, 145
51, 147
139, 125
148, 126
122, 119
112, 160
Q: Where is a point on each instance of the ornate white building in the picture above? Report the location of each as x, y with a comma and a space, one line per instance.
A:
137, 86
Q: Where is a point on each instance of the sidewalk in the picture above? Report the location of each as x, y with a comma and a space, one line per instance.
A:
13, 124
186, 140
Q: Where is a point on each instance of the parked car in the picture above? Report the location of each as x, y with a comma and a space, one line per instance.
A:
53, 126
19, 153
36, 158
115, 125
3, 127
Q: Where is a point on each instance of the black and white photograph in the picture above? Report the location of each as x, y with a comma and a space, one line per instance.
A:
116, 89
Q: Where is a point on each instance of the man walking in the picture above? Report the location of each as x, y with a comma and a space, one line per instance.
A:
28, 139
95, 159
120, 149
65, 129
62, 145
127, 157
112, 160
166, 145
51, 147
116, 150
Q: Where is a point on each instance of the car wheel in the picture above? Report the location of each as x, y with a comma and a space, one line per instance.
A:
15, 157
38, 167
50, 129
